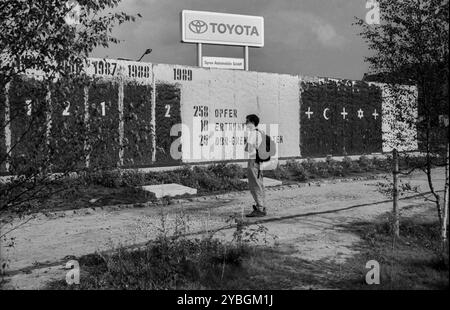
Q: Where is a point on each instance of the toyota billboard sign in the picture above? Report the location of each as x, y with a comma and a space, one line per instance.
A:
222, 28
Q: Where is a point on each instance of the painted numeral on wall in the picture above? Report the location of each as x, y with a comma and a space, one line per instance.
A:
66, 110
203, 140
103, 108
167, 110
200, 111
28, 106
204, 125
138, 71
182, 74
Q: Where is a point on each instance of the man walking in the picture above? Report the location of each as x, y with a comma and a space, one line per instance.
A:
254, 174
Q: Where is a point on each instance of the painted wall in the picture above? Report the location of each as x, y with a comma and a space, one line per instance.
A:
155, 114
214, 104
340, 117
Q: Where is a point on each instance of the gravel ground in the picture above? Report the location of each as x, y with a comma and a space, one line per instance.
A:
307, 219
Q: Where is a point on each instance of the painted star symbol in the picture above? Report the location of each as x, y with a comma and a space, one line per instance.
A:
360, 113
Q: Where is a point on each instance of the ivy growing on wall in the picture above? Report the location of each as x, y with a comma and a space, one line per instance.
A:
27, 123
338, 117
103, 125
137, 118
167, 114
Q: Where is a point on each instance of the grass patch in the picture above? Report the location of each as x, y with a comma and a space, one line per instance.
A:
180, 263
164, 264
414, 261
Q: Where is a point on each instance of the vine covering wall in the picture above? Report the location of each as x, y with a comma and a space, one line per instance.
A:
167, 114
137, 121
340, 117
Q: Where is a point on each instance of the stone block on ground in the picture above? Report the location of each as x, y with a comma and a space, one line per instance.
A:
268, 182
171, 190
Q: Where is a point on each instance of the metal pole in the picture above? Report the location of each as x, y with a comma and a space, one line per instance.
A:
396, 226
246, 57
199, 54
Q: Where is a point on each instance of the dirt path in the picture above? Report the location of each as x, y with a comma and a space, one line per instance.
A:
306, 219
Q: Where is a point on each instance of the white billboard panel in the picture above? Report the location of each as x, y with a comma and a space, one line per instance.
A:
222, 28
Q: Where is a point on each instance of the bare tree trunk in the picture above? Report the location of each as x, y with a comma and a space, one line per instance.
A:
396, 217
445, 207
428, 169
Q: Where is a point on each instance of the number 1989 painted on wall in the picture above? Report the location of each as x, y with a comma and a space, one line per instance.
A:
182, 74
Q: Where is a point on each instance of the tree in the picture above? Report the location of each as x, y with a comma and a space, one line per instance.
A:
410, 46
36, 38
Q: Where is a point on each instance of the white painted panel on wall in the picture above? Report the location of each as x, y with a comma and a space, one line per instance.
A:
289, 135
214, 103
195, 107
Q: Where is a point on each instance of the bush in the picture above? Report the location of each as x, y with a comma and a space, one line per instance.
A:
115, 178
350, 166
310, 165
379, 163
335, 168
365, 163
132, 178
237, 184
165, 263
298, 170
208, 180
229, 171
106, 178
322, 169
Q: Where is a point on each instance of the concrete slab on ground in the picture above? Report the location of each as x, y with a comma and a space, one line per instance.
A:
268, 182
170, 190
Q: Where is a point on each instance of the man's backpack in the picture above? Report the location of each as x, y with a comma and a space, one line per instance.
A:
266, 149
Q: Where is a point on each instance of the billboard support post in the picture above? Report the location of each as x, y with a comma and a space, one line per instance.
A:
199, 54
246, 57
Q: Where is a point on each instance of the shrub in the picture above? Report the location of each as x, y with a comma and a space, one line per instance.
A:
335, 168
310, 165
365, 163
227, 170
165, 263
280, 173
106, 178
237, 184
208, 181
298, 170
379, 163
329, 159
322, 169
350, 166
132, 178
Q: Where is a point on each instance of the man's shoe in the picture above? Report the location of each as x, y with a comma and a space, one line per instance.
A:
255, 208
256, 213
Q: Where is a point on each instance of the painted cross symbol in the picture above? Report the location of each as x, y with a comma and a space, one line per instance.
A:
309, 112
360, 113
343, 113
28, 105
375, 114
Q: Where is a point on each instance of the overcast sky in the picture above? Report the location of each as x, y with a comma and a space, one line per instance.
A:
302, 37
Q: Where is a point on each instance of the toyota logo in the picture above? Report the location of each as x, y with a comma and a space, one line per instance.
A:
198, 26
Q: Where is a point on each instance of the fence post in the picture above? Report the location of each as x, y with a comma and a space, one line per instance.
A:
396, 221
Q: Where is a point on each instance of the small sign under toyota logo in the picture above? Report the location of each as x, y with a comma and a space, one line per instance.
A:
222, 28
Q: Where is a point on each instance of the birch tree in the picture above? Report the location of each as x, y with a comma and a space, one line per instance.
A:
410, 45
